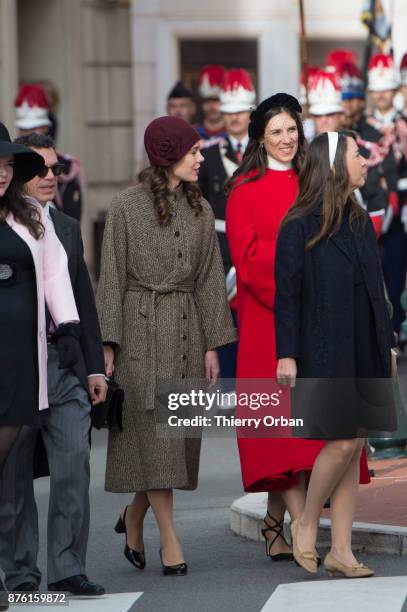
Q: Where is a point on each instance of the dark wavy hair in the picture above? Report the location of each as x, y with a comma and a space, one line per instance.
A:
321, 188
254, 160
23, 211
156, 179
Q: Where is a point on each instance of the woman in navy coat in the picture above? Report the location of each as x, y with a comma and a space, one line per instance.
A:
334, 333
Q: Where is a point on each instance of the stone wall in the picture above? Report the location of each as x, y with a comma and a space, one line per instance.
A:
107, 102
8, 61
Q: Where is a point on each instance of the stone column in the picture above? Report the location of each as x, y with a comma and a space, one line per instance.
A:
8, 62
144, 32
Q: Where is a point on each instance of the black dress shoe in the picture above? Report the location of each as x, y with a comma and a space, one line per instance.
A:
77, 585
136, 558
173, 570
26, 587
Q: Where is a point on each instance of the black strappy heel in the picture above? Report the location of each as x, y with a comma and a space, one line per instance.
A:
278, 529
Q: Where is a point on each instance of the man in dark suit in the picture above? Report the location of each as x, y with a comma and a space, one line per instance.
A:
64, 431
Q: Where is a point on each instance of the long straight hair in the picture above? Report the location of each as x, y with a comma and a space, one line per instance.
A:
254, 163
322, 188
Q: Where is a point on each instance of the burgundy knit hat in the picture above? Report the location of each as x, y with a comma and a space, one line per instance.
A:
168, 139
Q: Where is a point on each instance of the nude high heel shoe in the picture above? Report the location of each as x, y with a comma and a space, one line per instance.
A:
359, 570
306, 559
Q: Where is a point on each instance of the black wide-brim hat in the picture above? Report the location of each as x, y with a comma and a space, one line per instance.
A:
27, 163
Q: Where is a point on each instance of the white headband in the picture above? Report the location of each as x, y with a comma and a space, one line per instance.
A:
333, 138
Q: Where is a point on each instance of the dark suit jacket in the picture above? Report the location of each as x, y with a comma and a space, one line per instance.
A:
314, 308
91, 360
212, 179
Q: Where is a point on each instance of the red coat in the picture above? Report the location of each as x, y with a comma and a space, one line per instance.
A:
253, 215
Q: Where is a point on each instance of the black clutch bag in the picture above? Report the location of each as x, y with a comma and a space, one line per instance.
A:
109, 415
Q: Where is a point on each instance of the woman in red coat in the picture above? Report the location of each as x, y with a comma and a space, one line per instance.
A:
260, 194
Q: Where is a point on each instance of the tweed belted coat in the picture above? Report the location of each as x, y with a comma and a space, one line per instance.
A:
162, 301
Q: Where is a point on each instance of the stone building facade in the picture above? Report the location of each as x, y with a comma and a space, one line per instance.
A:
113, 62
84, 48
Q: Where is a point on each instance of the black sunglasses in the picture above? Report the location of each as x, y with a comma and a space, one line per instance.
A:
56, 169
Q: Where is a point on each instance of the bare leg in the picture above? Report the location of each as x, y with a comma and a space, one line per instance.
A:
343, 504
136, 512
329, 468
294, 498
161, 502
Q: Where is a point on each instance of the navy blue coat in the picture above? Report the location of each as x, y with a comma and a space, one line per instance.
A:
314, 302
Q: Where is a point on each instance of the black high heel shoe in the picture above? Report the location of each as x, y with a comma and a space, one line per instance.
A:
278, 529
135, 557
173, 570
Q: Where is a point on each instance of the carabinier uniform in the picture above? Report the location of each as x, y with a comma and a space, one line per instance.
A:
379, 192
69, 195
402, 170
219, 165
394, 240
221, 161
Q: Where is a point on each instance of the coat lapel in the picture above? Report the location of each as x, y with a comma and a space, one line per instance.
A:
338, 239
342, 243
228, 157
229, 151
62, 231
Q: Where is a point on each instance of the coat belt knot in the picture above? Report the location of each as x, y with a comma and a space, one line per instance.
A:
148, 304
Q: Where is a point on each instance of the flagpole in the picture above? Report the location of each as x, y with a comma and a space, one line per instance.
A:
369, 43
391, 21
303, 49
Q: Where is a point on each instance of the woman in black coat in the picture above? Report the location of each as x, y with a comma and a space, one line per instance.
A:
334, 333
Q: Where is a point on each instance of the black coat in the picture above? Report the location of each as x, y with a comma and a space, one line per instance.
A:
212, 178
314, 307
91, 359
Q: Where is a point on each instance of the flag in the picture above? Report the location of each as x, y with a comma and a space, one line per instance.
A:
376, 21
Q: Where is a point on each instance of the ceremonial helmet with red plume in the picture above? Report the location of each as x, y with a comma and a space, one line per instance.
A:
237, 93
210, 81
324, 93
305, 81
32, 107
382, 74
337, 58
343, 63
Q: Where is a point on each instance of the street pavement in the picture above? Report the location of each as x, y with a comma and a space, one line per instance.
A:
227, 572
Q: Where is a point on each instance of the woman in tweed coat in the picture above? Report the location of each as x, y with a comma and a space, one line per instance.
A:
163, 312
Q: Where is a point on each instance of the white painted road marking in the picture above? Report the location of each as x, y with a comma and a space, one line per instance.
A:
337, 595
112, 602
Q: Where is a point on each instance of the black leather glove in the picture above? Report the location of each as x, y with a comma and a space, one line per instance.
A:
68, 346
